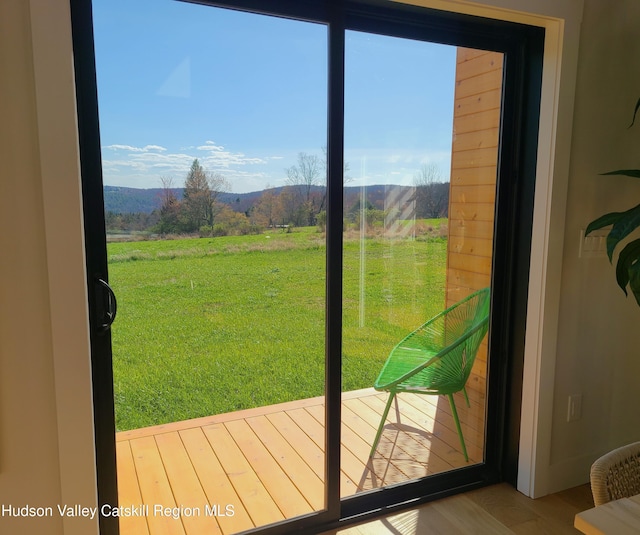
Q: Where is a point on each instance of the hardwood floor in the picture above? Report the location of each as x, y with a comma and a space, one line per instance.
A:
498, 509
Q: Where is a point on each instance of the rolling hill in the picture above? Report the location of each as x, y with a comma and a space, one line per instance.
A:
123, 200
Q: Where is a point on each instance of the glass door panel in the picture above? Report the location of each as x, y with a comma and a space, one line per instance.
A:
421, 141
213, 124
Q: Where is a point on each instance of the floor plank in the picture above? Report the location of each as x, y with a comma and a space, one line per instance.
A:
510, 508
468, 517
498, 509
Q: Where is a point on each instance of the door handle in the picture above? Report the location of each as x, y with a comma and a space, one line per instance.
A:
110, 306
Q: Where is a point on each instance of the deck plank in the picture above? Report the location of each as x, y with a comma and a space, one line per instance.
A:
188, 492
472, 418
368, 473
154, 487
443, 420
312, 454
313, 426
419, 411
268, 462
215, 419
301, 475
314, 429
215, 482
255, 497
372, 474
397, 443
282, 490
429, 434
129, 492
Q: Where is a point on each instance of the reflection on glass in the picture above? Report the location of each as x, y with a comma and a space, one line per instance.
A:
421, 140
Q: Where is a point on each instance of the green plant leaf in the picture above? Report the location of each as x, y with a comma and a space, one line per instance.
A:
627, 223
634, 280
635, 112
634, 173
628, 257
603, 221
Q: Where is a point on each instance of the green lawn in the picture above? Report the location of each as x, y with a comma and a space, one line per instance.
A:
212, 325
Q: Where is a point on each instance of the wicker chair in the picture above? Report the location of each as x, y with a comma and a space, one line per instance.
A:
616, 474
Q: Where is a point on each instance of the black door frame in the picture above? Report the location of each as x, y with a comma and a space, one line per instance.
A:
96, 257
522, 47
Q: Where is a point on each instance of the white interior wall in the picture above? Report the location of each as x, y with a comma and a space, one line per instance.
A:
61, 189
598, 334
29, 468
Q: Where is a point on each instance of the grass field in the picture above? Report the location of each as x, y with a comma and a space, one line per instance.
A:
213, 325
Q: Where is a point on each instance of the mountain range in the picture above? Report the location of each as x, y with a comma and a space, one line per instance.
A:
122, 200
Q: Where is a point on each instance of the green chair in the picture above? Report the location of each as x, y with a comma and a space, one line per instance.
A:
437, 357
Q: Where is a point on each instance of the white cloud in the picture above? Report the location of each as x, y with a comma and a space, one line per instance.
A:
211, 145
123, 147
143, 166
220, 158
130, 148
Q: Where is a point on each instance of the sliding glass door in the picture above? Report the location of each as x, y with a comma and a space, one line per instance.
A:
279, 194
219, 117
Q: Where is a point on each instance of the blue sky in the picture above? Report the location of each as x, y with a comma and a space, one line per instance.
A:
245, 94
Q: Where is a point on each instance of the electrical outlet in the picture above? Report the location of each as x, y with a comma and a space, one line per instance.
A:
594, 245
574, 409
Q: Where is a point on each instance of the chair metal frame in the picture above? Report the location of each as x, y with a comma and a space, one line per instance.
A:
437, 358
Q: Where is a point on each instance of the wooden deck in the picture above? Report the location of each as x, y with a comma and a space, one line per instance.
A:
231, 472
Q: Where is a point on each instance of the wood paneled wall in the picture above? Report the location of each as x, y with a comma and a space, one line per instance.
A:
472, 196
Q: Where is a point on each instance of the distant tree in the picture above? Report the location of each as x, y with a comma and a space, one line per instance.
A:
200, 197
266, 211
432, 193
368, 210
218, 185
308, 174
355, 210
195, 198
288, 210
131, 221
308, 178
170, 208
167, 196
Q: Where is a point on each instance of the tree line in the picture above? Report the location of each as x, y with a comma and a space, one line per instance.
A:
301, 202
